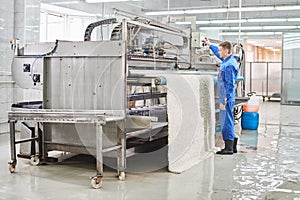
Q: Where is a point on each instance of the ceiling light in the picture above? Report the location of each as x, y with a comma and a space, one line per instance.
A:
294, 7
214, 28
203, 22
65, 2
267, 20
232, 33
250, 33
171, 12
293, 19
249, 9
228, 21
279, 27
103, 1
249, 27
263, 33
199, 11
234, 21
183, 23
221, 10
246, 28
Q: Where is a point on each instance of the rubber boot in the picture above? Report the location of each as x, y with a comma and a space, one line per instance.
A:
234, 145
228, 148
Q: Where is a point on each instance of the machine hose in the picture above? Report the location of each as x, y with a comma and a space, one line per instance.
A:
52, 51
90, 28
40, 56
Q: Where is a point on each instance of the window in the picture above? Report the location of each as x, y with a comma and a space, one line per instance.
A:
55, 26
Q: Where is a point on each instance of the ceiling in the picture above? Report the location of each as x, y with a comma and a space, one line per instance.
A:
272, 19
142, 6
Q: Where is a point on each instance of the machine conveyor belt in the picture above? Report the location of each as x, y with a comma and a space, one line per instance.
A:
62, 116
145, 96
99, 118
130, 133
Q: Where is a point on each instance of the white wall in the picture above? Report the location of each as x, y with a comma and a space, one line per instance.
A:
18, 19
6, 83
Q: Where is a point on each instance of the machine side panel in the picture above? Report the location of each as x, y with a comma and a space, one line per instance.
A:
89, 83
84, 83
78, 48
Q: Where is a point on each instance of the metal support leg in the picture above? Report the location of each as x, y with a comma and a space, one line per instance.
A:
250, 76
99, 155
13, 162
32, 143
41, 144
35, 158
122, 155
267, 84
96, 181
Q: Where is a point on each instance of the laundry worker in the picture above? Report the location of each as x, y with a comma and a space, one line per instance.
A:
226, 90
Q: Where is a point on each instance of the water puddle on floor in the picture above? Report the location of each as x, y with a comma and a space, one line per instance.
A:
268, 164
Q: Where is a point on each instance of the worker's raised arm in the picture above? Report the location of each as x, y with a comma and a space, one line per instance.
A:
215, 49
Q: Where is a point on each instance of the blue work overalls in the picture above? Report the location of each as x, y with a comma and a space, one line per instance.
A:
226, 90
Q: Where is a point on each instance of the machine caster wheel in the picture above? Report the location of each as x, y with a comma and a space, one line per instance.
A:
96, 182
12, 167
35, 160
122, 176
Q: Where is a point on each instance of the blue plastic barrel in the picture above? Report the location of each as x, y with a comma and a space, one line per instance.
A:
250, 120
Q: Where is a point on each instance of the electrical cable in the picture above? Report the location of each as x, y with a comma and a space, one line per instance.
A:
90, 27
41, 56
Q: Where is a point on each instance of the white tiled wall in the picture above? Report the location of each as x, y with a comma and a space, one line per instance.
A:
6, 98
18, 19
6, 32
6, 54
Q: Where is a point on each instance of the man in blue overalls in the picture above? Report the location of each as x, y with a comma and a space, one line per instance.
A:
226, 90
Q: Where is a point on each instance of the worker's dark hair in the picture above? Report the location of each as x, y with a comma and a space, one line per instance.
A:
226, 45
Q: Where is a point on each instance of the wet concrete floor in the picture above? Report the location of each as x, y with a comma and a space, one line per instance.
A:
267, 166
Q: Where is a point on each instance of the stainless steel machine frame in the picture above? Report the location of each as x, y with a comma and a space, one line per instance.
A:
84, 88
